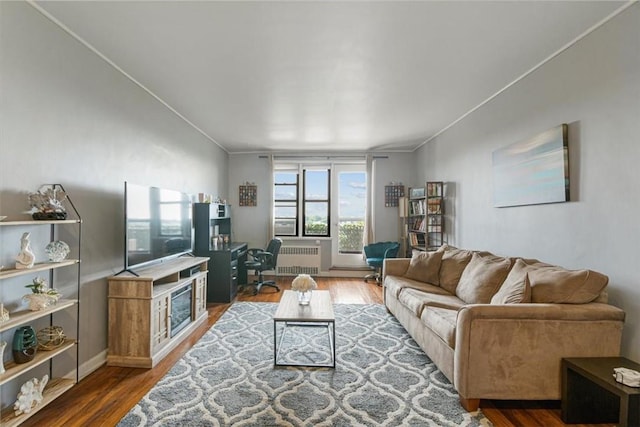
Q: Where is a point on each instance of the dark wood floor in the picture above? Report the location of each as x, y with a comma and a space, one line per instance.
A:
106, 395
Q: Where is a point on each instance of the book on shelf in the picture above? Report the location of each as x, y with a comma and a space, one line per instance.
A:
434, 220
434, 206
417, 207
434, 189
417, 239
418, 224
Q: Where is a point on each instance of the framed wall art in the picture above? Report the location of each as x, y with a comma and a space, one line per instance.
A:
534, 171
248, 195
392, 194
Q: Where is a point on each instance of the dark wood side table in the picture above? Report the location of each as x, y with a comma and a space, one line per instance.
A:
591, 395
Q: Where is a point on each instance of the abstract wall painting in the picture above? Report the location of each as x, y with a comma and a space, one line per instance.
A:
534, 171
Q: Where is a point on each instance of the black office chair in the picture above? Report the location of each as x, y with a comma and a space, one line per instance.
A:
264, 260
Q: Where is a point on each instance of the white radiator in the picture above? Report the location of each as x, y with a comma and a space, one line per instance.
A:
293, 260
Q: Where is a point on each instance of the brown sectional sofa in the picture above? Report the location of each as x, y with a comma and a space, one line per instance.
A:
498, 327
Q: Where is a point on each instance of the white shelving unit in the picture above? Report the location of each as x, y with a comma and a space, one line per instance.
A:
56, 385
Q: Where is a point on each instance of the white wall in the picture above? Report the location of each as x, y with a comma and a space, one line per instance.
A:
251, 224
594, 86
67, 117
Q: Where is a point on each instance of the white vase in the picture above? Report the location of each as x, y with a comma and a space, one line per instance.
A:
304, 297
3, 344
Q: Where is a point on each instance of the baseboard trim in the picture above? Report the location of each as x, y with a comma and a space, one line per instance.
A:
93, 364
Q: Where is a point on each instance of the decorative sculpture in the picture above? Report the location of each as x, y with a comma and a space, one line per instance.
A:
25, 344
42, 295
30, 395
3, 344
4, 314
25, 258
46, 203
57, 250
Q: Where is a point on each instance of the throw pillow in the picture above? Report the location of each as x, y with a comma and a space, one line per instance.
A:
513, 292
453, 263
425, 267
513, 289
552, 284
482, 278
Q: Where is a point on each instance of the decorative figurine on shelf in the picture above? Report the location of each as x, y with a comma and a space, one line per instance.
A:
30, 395
4, 314
46, 203
25, 344
57, 251
42, 296
3, 344
50, 338
25, 258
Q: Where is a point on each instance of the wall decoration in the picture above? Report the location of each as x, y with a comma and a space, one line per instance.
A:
392, 194
534, 171
248, 195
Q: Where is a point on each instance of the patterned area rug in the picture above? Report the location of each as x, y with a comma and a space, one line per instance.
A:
382, 377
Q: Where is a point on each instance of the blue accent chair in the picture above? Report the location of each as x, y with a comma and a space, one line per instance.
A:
375, 253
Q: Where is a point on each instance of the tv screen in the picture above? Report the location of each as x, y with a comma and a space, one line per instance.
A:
158, 224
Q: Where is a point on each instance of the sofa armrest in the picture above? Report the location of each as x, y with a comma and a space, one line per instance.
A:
395, 267
514, 351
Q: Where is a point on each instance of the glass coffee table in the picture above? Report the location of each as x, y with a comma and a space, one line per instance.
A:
290, 316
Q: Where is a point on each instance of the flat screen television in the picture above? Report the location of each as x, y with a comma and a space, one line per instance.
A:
158, 225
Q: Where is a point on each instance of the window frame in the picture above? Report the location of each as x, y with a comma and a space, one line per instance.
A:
326, 201
300, 170
286, 201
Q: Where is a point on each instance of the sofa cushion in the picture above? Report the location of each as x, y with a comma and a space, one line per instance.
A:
516, 288
552, 284
425, 267
453, 263
514, 292
442, 321
395, 284
482, 278
415, 300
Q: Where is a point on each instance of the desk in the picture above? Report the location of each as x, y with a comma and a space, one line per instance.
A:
226, 271
590, 394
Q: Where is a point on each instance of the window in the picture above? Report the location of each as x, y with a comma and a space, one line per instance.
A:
285, 195
312, 214
316, 202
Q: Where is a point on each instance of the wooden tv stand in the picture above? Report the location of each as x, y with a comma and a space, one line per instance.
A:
140, 310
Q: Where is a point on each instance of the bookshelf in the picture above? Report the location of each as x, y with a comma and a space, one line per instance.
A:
435, 215
416, 219
424, 221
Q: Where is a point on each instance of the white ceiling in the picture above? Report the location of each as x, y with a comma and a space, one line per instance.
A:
325, 76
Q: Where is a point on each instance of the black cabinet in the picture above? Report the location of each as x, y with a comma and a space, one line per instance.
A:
226, 272
226, 260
